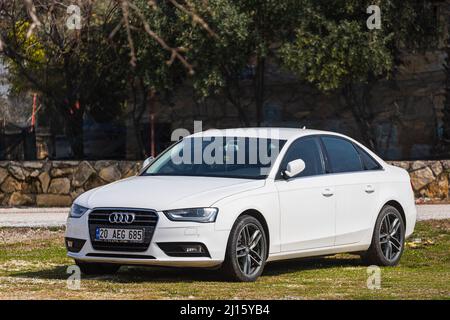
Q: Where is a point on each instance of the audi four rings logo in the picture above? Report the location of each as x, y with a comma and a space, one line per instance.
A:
119, 217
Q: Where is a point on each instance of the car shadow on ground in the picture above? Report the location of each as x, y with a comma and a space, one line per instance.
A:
302, 264
173, 275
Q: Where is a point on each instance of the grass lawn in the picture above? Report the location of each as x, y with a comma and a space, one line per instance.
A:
33, 265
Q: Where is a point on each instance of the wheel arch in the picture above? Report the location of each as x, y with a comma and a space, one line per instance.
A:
260, 217
398, 206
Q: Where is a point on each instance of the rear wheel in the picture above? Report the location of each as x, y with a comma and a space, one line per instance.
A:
388, 239
246, 250
97, 268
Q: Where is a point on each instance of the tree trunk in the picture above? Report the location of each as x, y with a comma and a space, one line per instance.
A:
75, 134
137, 113
259, 89
235, 100
445, 141
242, 116
363, 120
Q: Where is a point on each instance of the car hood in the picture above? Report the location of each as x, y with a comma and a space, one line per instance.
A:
165, 192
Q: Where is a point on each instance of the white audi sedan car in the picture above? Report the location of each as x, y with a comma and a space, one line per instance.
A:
238, 198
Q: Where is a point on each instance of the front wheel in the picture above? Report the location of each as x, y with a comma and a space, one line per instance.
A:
388, 239
97, 268
246, 250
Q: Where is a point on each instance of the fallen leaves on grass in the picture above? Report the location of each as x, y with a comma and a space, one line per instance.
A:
419, 243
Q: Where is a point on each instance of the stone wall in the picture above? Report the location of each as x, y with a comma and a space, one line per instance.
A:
430, 179
57, 183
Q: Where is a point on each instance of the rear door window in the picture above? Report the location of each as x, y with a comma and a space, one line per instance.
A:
342, 155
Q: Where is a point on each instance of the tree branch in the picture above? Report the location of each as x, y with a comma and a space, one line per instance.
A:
124, 5
195, 17
31, 9
175, 52
127, 6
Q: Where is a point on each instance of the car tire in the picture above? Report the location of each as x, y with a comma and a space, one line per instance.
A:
247, 249
97, 268
388, 239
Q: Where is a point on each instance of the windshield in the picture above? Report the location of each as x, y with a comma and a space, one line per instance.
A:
229, 157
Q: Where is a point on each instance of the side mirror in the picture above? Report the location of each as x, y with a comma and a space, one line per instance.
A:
294, 167
147, 161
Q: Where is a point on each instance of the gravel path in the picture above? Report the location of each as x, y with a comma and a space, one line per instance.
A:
433, 211
56, 217
33, 217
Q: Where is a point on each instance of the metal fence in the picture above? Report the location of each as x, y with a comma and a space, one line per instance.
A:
17, 143
100, 141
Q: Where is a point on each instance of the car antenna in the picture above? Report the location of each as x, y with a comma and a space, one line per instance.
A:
304, 128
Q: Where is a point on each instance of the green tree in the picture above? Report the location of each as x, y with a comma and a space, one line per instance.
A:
334, 49
247, 34
75, 71
214, 41
326, 43
152, 71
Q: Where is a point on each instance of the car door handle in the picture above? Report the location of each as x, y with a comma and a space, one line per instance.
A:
369, 189
327, 192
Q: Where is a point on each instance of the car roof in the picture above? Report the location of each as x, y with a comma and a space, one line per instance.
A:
260, 132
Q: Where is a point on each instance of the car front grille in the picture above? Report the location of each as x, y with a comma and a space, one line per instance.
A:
144, 219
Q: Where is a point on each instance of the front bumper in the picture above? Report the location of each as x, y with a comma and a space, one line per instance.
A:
166, 231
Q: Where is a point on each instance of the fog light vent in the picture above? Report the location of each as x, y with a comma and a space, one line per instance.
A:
74, 245
184, 249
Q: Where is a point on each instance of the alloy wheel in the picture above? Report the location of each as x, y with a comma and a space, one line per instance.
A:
391, 237
250, 249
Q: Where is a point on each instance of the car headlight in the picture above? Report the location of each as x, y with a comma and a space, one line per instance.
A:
77, 211
193, 214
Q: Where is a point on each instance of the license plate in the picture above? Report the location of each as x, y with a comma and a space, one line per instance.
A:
120, 235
